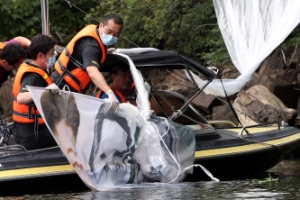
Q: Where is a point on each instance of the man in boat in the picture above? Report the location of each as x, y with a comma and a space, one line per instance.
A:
12, 55
80, 61
29, 128
122, 84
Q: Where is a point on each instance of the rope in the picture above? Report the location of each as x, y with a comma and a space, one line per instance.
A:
174, 159
205, 170
228, 100
178, 165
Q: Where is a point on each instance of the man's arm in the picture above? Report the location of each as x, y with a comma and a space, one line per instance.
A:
91, 57
23, 41
100, 82
24, 98
24, 95
97, 78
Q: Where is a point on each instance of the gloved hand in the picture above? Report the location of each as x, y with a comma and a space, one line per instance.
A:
54, 88
110, 50
114, 103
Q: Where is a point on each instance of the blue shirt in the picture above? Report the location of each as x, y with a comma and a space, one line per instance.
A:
104, 96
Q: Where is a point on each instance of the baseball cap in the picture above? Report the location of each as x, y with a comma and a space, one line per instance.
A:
119, 66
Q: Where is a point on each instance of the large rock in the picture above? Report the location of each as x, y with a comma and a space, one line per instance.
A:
6, 99
259, 105
205, 102
224, 116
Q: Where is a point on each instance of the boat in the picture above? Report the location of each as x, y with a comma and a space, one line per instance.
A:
232, 152
228, 153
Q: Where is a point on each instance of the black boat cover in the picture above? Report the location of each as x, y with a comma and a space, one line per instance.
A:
164, 58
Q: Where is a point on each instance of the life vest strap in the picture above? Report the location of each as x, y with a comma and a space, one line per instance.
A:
66, 72
30, 111
25, 115
73, 60
36, 127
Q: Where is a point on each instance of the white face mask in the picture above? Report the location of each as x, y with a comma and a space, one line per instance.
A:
51, 61
108, 39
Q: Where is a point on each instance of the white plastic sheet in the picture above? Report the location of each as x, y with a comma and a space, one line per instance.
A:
251, 30
107, 149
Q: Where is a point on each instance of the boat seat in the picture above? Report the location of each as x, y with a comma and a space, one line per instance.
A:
164, 102
206, 134
11, 149
160, 106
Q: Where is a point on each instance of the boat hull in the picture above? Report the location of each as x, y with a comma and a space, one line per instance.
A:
252, 158
64, 183
225, 153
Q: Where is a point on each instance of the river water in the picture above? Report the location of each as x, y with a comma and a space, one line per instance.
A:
281, 182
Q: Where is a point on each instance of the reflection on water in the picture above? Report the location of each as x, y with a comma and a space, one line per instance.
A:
259, 193
284, 184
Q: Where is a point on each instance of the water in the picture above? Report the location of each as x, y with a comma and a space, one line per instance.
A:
282, 182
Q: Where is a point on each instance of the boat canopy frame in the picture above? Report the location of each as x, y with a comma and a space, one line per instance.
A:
167, 60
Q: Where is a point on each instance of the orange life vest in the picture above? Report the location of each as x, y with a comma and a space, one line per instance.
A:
122, 97
2, 45
77, 78
27, 113
116, 92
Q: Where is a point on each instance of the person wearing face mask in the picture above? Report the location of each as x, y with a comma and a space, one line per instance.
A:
80, 62
29, 128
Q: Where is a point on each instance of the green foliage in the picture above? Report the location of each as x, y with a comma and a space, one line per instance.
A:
188, 27
23, 17
270, 179
292, 40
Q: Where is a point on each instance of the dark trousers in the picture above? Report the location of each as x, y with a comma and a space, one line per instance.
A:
24, 135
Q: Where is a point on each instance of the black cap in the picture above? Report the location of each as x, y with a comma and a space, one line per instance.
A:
123, 67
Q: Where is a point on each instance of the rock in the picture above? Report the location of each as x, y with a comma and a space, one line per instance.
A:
222, 114
6, 99
298, 77
205, 102
288, 94
171, 80
271, 65
259, 105
229, 71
